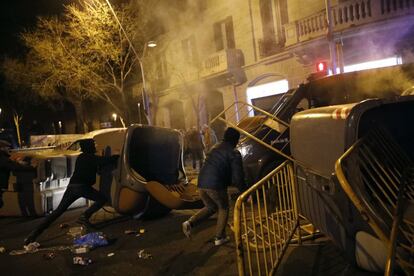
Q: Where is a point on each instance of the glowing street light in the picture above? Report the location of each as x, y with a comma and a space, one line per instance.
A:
152, 44
114, 116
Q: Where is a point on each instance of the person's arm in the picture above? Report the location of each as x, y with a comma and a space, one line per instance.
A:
237, 172
15, 165
107, 160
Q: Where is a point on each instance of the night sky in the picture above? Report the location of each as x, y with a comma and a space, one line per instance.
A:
15, 17
18, 15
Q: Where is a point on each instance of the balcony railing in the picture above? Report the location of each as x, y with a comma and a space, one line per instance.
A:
346, 15
222, 61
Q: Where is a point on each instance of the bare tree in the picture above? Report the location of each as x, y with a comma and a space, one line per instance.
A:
53, 71
86, 55
109, 40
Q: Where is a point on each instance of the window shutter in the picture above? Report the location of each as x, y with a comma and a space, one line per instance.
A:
230, 33
218, 38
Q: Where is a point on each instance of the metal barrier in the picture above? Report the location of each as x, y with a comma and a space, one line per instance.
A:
265, 220
258, 128
378, 177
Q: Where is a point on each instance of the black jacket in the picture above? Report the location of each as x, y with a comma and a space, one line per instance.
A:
7, 165
223, 167
86, 168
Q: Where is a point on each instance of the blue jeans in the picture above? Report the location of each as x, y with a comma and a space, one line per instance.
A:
213, 201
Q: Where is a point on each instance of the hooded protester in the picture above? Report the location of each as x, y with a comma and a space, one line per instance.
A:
80, 185
7, 165
222, 167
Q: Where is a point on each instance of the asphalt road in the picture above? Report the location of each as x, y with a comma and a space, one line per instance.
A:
172, 253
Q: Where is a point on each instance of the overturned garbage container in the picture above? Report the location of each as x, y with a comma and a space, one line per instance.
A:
151, 180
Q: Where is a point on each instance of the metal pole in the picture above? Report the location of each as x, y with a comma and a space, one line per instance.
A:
331, 42
236, 106
340, 56
139, 113
144, 93
144, 96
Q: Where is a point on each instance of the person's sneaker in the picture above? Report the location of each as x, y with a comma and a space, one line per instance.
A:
220, 241
187, 228
28, 240
31, 238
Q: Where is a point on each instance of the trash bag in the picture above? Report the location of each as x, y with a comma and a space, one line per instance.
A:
95, 239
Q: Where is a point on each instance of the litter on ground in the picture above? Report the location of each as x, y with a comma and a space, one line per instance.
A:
144, 255
95, 239
81, 260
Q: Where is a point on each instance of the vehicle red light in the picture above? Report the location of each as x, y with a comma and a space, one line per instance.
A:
321, 66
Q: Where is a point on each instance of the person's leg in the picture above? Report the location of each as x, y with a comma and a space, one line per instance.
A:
68, 198
3, 187
200, 157
193, 158
92, 194
208, 210
221, 199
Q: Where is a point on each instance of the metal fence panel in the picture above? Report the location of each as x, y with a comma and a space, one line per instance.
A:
378, 177
265, 220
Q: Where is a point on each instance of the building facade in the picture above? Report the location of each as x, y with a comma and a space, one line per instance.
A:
214, 52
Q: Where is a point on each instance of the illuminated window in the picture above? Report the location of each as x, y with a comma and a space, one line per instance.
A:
371, 64
265, 90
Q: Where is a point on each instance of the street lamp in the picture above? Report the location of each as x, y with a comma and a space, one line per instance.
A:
150, 44
114, 116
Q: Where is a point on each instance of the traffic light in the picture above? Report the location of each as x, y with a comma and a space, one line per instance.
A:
322, 66
321, 71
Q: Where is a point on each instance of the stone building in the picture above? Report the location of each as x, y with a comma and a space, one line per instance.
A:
215, 52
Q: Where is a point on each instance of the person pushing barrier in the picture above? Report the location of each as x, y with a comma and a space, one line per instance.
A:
7, 165
222, 167
80, 185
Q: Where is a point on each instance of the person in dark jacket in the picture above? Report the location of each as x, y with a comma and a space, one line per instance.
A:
195, 147
80, 185
7, 165
222, 167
